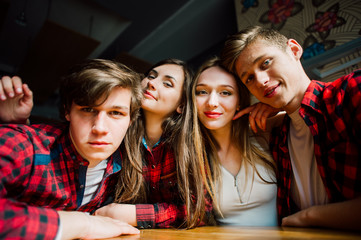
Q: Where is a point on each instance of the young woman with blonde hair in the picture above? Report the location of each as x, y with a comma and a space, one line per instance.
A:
240, 171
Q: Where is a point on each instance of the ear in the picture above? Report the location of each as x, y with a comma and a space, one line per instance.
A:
180, 109
295, 48
67, 117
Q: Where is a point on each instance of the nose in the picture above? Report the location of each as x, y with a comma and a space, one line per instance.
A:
151, 84
213, 100
261, 78
99, 124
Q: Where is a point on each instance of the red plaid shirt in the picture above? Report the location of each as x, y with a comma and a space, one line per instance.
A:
41, 172
165, 207
332, 111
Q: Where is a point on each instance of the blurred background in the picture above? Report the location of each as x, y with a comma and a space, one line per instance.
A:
41, 39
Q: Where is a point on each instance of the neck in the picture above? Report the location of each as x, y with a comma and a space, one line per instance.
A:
223, 137
153, 128
303, 84
228, 153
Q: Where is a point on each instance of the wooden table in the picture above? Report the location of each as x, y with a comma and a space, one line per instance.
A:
232, 233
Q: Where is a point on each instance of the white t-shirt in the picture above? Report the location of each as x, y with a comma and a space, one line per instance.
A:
244, 203
94, 177
307, 187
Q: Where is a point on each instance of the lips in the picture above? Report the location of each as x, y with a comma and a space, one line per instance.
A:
147, 94
99, 144
270, 91
212, 114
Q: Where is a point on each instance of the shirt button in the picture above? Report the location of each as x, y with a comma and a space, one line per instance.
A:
153, 188
170, 182
73, 157
153, 166
82, 186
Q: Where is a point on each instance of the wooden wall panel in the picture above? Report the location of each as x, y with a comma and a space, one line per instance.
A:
52, 52
135, 63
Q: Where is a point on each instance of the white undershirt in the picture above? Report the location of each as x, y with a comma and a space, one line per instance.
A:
94, 177
307, 187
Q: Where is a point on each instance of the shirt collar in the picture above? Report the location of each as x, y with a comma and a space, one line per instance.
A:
155, 145
313, 95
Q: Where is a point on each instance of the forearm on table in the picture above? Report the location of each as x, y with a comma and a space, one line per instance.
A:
340, 215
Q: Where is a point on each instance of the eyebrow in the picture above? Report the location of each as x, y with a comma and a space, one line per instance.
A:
167, 76
223, 85
120, 107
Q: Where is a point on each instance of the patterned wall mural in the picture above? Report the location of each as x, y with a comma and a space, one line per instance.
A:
318, 25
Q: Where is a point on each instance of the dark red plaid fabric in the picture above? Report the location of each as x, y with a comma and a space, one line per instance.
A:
164, 208
40, 172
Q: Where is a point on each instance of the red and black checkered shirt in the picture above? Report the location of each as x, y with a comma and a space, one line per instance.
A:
332, 112
41, 172
164, 208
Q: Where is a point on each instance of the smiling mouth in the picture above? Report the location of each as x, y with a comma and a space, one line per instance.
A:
271, 92
147, 94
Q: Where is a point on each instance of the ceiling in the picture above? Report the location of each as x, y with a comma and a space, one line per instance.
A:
148, 30
39, 39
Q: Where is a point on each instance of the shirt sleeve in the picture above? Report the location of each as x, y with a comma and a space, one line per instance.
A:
160, 215
19, 220
164, 215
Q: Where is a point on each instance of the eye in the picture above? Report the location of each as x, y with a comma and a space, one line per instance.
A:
226, 93
87, 109
201, 92
266, 64
168, 84
117, 114
151, 76
249, 79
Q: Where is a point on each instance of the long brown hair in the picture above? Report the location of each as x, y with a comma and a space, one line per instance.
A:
206, 146
176, 129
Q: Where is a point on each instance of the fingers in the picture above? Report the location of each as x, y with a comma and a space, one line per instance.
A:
127, 229
9, 87
28, 94
243, 112
106, 227
258, 115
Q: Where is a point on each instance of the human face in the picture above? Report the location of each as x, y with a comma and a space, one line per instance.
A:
217, 98
97, 132
273, 75
163, 89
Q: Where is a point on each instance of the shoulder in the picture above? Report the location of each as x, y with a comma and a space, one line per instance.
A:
347, 82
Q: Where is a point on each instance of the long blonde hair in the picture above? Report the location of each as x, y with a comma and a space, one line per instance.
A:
176, 135
206, 146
